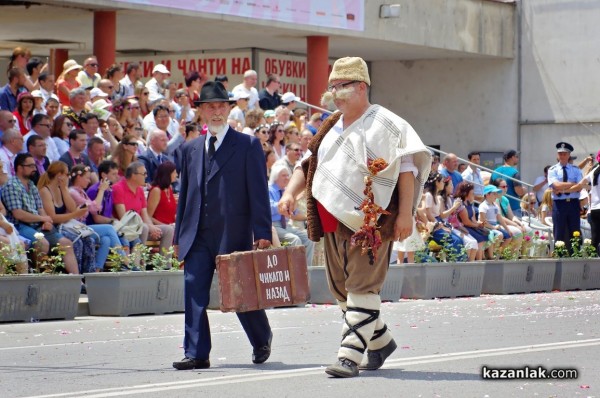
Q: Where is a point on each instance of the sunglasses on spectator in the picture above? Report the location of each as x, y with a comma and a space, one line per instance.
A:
45, 125
69, 124
94, 65
138, 129
142, 174
502, 186
262, 126
145, 93
131, 143
296, 150
110, 87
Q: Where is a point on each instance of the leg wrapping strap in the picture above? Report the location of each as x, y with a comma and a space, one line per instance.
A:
372, 317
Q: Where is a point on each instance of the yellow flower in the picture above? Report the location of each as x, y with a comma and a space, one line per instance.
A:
576, 234
434, 246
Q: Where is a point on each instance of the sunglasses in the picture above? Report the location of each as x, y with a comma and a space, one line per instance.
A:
145, 93
131, 143
69, 125
340, 86
94, 65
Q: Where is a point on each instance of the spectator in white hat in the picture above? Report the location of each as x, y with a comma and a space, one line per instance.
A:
247, 86
154, 85
38, 102
237, 115
289, 100
97, 94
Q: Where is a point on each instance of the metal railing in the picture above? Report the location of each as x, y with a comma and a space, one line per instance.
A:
439, 151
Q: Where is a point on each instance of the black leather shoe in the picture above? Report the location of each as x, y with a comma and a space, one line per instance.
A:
189, 364
261, 354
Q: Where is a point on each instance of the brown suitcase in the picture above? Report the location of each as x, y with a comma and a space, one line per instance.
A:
261, 279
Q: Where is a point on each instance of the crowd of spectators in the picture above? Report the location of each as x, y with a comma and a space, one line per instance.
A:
93, 148
90, 147
476, 214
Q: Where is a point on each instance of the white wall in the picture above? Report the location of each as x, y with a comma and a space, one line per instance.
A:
472, 104
560, 79
462, 105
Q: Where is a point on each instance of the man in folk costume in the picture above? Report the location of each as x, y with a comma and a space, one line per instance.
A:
335, 172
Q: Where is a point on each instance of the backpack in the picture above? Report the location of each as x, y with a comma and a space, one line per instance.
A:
130, 226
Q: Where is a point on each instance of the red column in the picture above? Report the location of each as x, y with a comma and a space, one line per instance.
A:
58, 56
317, 68
105, 38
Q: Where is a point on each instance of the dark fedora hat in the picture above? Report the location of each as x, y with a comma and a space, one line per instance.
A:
213, 92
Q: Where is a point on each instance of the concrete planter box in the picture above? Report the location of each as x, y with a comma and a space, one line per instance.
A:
431, 280
320, 294
36, 297
572, 274
131, 293
524, 276
319, 290
392, 287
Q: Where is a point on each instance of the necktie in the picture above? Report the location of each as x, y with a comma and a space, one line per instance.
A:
40, 166
211, 146
160, 159
283, 221
565, 177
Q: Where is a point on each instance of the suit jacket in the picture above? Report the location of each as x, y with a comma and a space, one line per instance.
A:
237, 198
151, 162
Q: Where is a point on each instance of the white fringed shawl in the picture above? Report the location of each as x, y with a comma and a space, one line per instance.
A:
339, 180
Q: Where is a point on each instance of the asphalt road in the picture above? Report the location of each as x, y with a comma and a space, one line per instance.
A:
442, 346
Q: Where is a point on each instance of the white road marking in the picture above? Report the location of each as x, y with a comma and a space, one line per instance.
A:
25, 347
301, 372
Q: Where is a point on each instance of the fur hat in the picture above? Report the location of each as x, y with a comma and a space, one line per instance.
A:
350, 68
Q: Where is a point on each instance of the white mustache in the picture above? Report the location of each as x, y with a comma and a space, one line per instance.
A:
343, 93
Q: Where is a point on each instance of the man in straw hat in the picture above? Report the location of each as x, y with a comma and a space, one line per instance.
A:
223, 207
334, 174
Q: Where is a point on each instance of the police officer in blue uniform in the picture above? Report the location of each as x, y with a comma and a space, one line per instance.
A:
562, 178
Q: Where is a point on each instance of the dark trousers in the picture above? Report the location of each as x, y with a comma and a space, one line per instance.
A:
594, 219
199, 270
565, 218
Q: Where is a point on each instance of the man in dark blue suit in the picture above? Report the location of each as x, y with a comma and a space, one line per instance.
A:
155, 155
223, 207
